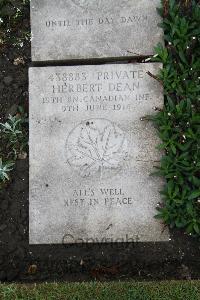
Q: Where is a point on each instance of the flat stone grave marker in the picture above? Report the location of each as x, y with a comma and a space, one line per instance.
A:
91, 155
88, 29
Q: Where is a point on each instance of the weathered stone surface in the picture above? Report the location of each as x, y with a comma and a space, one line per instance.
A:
91, 155
88, 29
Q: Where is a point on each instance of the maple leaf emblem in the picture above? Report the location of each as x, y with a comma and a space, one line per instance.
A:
96, 146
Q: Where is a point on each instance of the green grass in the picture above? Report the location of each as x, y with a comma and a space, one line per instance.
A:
169, 290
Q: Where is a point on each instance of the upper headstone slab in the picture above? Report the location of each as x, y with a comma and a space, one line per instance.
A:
87, 29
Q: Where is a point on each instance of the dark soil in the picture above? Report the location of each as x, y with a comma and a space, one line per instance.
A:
176, 259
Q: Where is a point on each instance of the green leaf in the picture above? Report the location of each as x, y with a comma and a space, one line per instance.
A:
194, 195
173, 148
197, 228
182, 57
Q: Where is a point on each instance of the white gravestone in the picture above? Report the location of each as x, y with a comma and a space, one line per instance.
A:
91, 155
88, 29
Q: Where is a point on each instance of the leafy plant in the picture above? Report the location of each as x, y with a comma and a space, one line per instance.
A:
178, 123
14, 141
11, 128
12, 9
14, 133
12, 29
5, 168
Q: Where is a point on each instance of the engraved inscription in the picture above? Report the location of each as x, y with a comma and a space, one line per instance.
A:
97, 147
98, 21
97, 91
